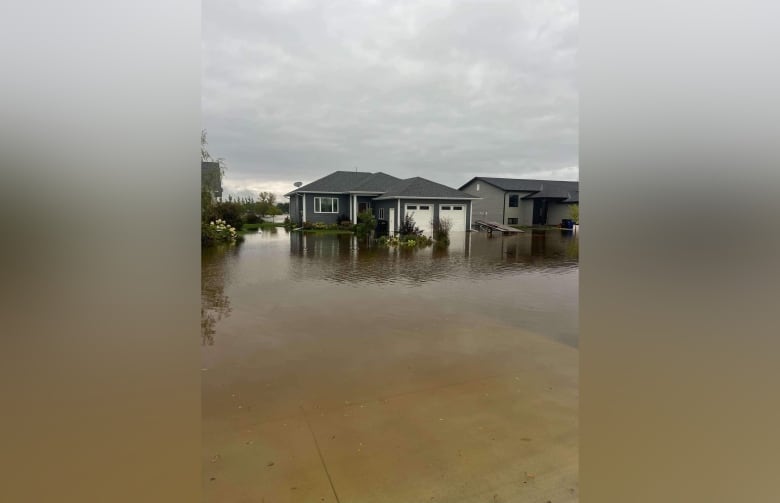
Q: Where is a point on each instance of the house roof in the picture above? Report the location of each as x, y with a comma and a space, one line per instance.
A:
558, 189
390, 187
421, 188
377, 182
338, 181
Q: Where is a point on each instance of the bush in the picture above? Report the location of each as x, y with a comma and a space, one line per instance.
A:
409, 227
252, 218
441, 230
231, 213
217, 231
408, 241
319, 226
366, 224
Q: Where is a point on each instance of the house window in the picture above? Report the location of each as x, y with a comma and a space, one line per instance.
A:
477, 187
381, 213
425, 207
362, 207
511, 221
513, 200
326, 205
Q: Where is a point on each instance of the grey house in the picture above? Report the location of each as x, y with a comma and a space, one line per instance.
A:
514, 201
342, 195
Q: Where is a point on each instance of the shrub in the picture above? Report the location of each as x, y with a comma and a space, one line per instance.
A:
366, 224
231, 213
217, 231
441, 230
409, 227
252, 218
408, 241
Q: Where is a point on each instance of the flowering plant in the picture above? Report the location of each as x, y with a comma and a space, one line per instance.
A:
218, 231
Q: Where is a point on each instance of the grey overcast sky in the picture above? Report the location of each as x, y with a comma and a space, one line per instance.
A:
446, 90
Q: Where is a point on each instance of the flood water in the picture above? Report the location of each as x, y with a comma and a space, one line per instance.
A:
299, 328
529, 280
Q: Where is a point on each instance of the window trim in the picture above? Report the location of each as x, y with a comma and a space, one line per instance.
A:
318, 205
381, 213
517, 201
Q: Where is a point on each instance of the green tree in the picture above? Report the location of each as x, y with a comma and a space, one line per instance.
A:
266, 204
574, 212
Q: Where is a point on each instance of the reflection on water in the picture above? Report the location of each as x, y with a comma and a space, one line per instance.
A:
343, 258
215, 305
528, 280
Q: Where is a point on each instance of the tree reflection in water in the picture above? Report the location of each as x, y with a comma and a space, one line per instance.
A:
215, 305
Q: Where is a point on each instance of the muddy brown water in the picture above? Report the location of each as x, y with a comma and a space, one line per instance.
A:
321, 353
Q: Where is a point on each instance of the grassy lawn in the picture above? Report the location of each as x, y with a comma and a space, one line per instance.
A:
263, 225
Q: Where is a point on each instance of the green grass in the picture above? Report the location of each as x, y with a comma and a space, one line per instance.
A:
263, 225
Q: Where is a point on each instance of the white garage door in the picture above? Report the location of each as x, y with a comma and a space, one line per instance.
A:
455, 213
422, 215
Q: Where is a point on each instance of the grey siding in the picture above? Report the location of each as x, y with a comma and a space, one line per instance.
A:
386, 205
527, 217
523, 212
557, 212
490, 207
328, 218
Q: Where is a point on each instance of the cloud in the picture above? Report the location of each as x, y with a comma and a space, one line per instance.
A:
447, 90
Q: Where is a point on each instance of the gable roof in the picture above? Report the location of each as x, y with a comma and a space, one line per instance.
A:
425, 189
338, 181
377, 182
569, 191
387, 186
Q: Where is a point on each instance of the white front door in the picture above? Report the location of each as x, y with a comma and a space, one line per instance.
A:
391, 219
422, 214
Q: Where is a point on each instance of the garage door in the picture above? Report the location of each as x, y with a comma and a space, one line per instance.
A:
422, 215
455, 213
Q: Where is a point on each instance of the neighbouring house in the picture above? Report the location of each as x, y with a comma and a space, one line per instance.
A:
515, 201
211, 179
342, 195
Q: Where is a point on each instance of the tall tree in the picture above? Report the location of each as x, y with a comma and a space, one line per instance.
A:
206, 156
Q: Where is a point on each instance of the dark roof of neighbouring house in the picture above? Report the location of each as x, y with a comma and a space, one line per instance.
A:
421, 188
558, 189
